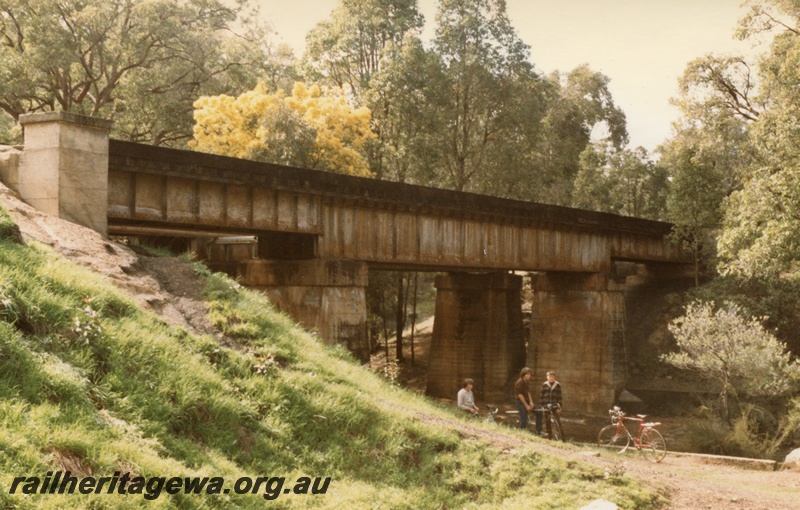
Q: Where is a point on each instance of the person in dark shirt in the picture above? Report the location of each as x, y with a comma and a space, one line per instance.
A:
522, 394
551, 394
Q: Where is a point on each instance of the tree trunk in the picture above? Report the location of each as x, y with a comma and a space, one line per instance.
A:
414, 317
400, 318
723, 398
385, 327
696, 250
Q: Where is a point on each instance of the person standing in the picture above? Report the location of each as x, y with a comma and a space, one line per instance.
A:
551, 394
523, 398
465, 399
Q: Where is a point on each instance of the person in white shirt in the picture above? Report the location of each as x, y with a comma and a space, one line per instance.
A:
465, 399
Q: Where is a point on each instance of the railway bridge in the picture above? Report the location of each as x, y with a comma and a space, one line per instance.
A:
318, 233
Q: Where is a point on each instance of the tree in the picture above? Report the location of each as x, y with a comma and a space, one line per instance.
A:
694, 207
706, 160
312, 128
621, 182
350, 48
710, 153
141, 63
372, 49
402, 105
762, 220
750, 113
735, 353
488, 93
592, 188
722, 84
578, 103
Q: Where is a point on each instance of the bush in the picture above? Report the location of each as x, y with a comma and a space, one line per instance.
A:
734, 352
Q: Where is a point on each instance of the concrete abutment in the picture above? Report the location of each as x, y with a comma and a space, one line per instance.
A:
63, 170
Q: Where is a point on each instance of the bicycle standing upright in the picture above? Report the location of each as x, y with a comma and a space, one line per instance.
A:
647, 440
550, 417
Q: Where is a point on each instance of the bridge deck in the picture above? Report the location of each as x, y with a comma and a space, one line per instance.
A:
163, 190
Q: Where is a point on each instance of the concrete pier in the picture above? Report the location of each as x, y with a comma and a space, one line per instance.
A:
324, 295
477, 333
578, 331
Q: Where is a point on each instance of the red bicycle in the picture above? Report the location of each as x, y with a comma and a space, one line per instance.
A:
647, 440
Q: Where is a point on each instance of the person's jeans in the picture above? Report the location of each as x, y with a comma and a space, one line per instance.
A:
523, 415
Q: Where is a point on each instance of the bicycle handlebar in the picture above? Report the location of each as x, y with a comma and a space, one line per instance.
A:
616, 414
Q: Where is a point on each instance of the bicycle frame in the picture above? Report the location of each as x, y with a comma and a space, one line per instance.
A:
637, 440
492, 411
647, 440
549, 416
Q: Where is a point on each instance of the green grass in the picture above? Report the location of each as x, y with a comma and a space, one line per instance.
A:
91, 383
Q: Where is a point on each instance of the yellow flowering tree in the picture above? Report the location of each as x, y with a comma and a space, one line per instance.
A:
312, 128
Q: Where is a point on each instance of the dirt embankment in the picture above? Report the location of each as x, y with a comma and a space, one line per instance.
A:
170, 288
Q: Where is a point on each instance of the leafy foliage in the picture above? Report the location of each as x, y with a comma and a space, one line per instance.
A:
577, 102
621, 182
737, 354
141, 63
740, 124
354, 45
469, 113
312, 128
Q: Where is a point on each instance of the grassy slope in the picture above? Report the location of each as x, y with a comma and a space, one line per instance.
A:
128, 392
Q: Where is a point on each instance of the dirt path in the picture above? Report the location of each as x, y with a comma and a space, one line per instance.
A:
688, 482
170, 288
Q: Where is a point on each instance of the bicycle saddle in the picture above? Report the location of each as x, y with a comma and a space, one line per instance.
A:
642, 416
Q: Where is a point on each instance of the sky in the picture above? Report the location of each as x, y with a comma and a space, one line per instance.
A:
643, 46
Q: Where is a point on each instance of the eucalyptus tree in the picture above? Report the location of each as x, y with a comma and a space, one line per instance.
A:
404, 114
349, 48
353, 50
748, 114
489, 95
578, 103
141, 63
761, 236
623, 182
694, 204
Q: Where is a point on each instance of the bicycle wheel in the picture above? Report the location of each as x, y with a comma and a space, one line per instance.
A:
610, 439
558, 432
653, 445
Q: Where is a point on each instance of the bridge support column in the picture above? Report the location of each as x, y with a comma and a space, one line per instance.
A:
578, 330
63, 170
328, 296
477, 333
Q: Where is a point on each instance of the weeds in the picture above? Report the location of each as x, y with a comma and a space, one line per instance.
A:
391, 371
754, 431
